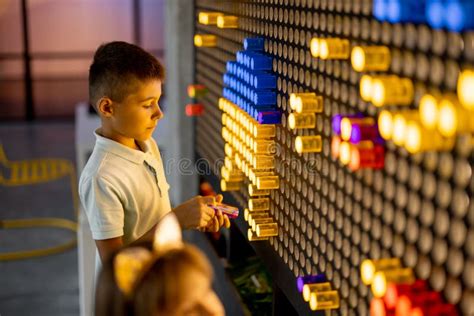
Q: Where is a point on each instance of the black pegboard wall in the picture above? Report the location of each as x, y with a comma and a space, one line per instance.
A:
418, 207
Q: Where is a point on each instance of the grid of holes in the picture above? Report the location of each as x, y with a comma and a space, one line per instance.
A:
417, 208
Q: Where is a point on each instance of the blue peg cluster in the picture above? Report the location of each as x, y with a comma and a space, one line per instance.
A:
250, 83
452, 15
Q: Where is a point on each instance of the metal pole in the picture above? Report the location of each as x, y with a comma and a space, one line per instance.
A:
29, 100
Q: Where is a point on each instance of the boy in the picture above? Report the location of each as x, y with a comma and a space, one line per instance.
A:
123, 186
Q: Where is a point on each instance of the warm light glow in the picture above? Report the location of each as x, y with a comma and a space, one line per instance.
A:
335, 143
378, 92
399, 129
307, 144
228, 21
346, 129
201, 40
403, 306
366, 88
448, 121
429, 111
345, 153
377, 307
208, 18
354, 164
385, 124
379, 284
466, 89
315, 47
367, 271
413, 137
324, 300
358, 59
323, 49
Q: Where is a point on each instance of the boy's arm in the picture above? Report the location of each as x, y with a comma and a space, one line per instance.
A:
107, 247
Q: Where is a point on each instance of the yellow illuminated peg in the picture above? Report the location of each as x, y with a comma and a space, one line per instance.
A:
346, 125
429, 112
208, 18
315, 287
231, 176
227, 22
370, 58
258, 221
259, 204
254, 191
248, 214
400, 121
369, 267
254, 174
230, 186
453, 118
385, 124
294, 96
334, 48
314, 47
301, 120
264, 131
263, 162
466, 89
307, 103
324, 300
397, 276
345, 152
392, 90
268, 182
252, 236
420, 139
256, 214
205, 40
267, 230
366, 88
264, 147
308, 144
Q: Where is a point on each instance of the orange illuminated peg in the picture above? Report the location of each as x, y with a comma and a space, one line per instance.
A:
208, 18
252, 236
419, 304
227, 22
334, 48
391, 90
383, 278
466, 89
378, 308
369, 267
194, 109
197, 90
453, 118
370, 58
205, 40
308, 144
420, 139
367, 155
357, 129
306, 102
335, 144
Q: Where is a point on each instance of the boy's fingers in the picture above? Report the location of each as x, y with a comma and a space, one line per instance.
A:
208, 200
226, 221
220, 218
219, 198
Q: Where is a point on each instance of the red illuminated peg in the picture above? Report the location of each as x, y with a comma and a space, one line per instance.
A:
378, 308
394, 291
367, 156
196, 109
422, 301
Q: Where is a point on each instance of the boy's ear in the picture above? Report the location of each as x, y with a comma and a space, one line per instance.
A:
105, 107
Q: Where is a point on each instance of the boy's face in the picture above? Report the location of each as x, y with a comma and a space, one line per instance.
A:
135, 118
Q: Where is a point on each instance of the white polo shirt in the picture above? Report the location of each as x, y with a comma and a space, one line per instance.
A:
124, 191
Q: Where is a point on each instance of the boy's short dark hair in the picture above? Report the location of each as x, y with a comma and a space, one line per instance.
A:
116, 67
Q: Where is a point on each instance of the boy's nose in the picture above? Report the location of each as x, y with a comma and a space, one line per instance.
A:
158, 114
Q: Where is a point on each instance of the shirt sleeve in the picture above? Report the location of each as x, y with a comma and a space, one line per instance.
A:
103, 207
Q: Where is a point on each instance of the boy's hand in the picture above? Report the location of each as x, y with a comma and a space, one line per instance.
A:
219, 220
195, 213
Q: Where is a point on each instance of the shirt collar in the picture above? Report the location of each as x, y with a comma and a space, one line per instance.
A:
133, 155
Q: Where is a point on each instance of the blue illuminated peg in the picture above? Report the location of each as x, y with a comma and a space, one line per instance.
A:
260, 62
230, 67
435, 12
380, 9
264, 98
458, 15
400, 11
239, 56
254, 44
269, 117
264, 81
